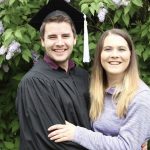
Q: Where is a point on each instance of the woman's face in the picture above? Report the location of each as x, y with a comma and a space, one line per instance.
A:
115, 56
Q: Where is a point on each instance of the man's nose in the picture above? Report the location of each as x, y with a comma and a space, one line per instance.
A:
59, 41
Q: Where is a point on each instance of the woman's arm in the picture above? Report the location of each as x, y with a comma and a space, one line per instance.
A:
133, 133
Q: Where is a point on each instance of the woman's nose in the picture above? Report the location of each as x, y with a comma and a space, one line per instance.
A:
114, 53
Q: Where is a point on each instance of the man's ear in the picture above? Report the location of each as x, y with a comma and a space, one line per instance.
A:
42, 41
75, 40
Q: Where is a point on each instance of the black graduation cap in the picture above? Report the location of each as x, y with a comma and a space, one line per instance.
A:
76, 16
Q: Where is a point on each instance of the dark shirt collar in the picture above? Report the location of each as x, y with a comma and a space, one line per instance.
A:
54, 66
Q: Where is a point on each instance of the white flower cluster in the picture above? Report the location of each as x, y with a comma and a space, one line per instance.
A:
1, 28
13, 48
3, 50
1, 1
101, 14
117, 2
68, 1
121, 2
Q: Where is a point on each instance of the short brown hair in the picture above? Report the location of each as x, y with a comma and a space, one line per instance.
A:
57, 16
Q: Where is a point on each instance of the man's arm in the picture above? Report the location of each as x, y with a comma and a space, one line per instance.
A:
38, 109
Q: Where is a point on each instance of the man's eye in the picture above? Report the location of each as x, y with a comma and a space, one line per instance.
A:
65, 36
51, 37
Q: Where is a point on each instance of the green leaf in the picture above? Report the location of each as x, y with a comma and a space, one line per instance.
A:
14, 126
126, 10
26, 39
7, 19
92, 45
17, 60
32, 33
9, 145
18, 77
96, 1
98, 6
11, 2
126, 19
145, 55
143, 27
36, 46
18, 34
139, 49
17, 141
138, 2
85, 1
23, 1
117, 15
26, 55
8, 34
1, 59
106, 1
144, 32
84, 7
92, 10
3, 12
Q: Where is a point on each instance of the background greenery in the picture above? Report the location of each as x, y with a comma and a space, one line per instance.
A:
15, 15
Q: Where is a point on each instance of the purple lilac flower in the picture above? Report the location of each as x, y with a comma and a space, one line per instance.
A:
13, 47
5, 68
101, 14
1, 27
117, 2
3, 50
68, 1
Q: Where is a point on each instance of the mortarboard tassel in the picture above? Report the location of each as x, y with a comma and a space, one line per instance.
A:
86, 55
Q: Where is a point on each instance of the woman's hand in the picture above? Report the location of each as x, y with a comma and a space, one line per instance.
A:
61, 132
144, 146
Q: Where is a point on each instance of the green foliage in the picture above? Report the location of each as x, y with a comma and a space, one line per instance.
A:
15, 15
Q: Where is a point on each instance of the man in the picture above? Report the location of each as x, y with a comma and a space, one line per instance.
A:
55, 89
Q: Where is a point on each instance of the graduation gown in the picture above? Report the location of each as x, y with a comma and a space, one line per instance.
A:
46, 97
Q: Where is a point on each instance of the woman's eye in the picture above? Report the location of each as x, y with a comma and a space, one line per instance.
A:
107, 49
121, 49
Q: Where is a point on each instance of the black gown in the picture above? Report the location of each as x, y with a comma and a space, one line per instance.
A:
46, 97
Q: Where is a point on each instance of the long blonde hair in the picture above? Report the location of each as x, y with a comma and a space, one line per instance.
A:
99, 83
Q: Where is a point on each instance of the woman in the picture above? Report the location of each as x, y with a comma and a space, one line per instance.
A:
120, 100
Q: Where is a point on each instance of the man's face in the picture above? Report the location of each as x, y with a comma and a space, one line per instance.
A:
58, 41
